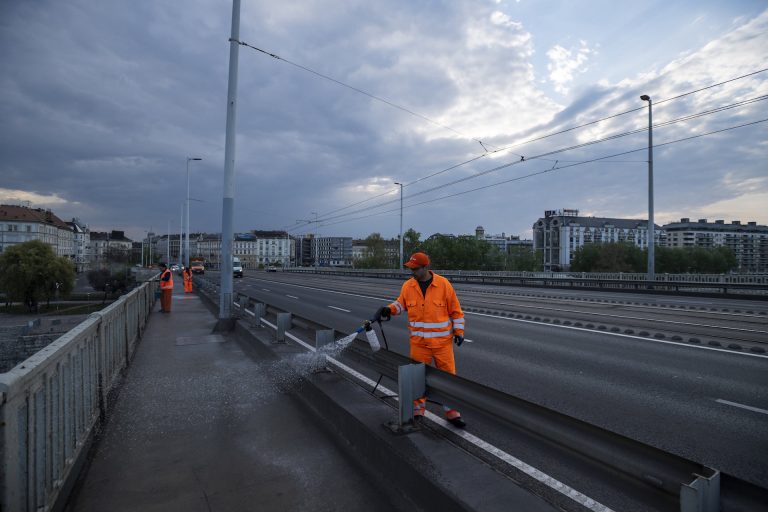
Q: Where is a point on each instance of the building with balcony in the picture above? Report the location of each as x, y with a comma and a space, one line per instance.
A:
748, 242
81, 245
560, 232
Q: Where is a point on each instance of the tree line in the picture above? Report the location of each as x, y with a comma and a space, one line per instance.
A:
470, 253
627, 257
448, 252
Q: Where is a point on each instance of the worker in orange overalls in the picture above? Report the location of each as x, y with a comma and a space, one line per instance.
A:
166, 288
187, 280
435, 321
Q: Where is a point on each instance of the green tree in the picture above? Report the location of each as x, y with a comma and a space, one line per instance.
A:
376, 255
523, 259
410, 242
31, 272
463, 253
104, 280
610, 257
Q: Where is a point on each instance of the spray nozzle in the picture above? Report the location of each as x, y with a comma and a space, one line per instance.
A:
367, 325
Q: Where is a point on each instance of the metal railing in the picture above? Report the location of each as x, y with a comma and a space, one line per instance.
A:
694, 486
732, 285
52, 403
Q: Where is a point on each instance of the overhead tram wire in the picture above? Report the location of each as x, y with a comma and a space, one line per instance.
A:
558, 133
545, 171
561, 150
484, 145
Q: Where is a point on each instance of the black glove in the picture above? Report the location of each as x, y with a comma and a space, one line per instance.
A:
458, 340
382, 314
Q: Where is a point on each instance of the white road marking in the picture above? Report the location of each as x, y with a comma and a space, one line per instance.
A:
732, 352
266, 289
529, 470
291, 296
340, 309
468, 341
624, 317
741, 406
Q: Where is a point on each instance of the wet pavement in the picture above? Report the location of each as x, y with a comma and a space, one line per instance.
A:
202, 424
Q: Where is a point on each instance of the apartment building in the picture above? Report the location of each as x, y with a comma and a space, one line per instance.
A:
560, 232
19, 224
749, 242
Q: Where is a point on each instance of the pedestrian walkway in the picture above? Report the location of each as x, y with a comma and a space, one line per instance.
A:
201, 425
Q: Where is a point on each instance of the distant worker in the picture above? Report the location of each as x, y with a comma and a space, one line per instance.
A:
166, 288
435, 321
187, 280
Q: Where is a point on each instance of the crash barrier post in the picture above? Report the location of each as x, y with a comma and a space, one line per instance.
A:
51, 403
411, 385
283, 325
242, 301
323, 337
701, 495
259, 311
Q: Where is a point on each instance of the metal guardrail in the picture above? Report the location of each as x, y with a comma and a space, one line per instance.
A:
732, 285
51, 403
694, 486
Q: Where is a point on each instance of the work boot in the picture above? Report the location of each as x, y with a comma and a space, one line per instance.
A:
453, 417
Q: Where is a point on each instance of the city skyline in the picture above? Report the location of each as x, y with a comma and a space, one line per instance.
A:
101, 114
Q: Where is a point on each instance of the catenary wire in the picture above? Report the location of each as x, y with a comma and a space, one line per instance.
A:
484, 145
549, 135
561, 150
545, 171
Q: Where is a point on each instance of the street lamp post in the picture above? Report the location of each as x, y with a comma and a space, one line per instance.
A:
401, 224
186, 241
651, 234
317, 242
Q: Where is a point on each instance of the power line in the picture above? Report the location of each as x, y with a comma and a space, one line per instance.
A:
360, 91
559, 132
545, 171
561, 150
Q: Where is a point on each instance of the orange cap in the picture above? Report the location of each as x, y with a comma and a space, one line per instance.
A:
417, 259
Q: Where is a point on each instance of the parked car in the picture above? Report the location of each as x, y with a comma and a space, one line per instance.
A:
175, 267
197, 267
271, 269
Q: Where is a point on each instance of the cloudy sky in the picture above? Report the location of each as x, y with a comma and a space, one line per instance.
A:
102, 102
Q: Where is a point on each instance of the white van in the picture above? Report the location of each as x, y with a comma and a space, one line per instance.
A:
237, 267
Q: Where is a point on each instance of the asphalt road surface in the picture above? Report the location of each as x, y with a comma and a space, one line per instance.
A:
657, 369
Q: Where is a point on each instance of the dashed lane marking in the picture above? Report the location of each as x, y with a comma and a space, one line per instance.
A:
340, 309
741, 406
291, 296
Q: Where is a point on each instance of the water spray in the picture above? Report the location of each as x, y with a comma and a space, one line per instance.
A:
370, 336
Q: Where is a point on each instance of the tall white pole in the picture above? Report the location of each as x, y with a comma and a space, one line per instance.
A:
168, 243
317, 242
400, 264
651, 227
181, 235
228, 203
186, 242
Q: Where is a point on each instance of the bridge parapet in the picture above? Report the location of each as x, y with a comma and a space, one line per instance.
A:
51, 403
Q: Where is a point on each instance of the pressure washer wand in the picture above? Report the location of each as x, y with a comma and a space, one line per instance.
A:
370, 336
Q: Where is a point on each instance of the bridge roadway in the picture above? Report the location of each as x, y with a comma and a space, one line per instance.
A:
697, 400
209, 421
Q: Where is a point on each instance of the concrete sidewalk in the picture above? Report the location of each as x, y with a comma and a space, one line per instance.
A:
199, 425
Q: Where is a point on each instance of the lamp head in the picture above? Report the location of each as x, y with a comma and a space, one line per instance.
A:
645, 97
